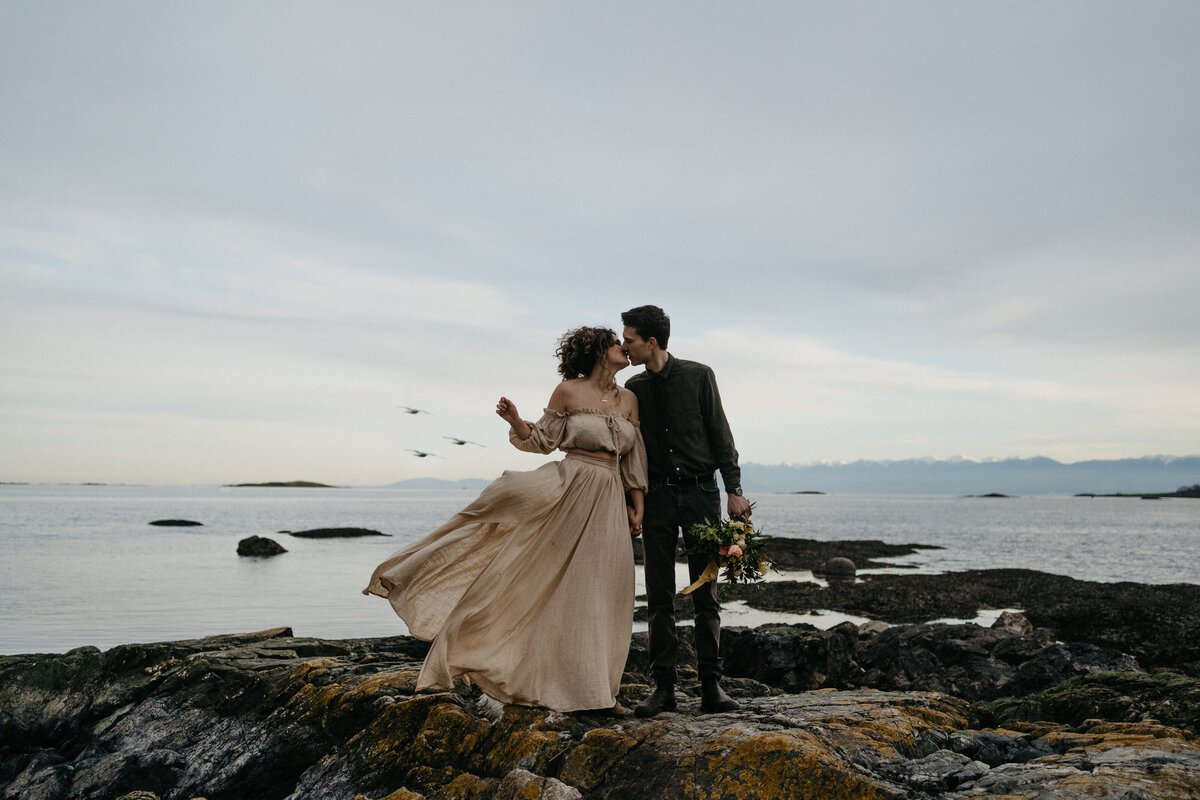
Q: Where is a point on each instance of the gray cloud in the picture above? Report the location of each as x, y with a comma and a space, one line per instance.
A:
1003, 196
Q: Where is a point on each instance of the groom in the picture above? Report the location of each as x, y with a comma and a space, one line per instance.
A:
687, 438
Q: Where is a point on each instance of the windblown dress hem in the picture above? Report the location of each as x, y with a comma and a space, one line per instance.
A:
528, 592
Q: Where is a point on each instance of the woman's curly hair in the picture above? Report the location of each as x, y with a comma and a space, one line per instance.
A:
580, 349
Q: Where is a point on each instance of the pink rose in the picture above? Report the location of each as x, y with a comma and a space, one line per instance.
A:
724, 551
734, 551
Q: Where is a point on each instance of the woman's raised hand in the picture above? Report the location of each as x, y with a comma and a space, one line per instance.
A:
507, 411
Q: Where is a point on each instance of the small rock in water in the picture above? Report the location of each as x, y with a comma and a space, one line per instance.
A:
838, 568
335, 533
176, 523
872, 627
269, 633
259, 546
1013, 622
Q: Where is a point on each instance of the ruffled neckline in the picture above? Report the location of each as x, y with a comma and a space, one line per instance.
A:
595, 411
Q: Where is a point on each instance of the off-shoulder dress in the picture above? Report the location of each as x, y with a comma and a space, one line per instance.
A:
528, 591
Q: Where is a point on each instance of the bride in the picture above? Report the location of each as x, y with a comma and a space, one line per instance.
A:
528, 591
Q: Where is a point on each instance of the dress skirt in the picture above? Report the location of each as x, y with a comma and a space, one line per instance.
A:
528, 591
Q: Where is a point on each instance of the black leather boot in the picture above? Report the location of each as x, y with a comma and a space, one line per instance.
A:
713, 699
661, 699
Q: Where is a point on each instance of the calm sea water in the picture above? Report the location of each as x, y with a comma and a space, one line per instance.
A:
82, 566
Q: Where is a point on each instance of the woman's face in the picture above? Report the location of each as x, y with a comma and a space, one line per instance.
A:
616, 357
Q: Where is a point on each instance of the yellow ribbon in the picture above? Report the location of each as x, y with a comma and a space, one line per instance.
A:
709, 574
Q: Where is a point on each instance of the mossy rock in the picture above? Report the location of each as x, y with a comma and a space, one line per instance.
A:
1166, 697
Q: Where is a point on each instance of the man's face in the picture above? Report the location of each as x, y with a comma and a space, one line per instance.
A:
637, 348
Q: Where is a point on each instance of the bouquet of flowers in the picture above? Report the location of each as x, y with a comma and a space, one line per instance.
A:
734, 548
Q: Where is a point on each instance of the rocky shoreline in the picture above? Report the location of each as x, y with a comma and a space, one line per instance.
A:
1094, 691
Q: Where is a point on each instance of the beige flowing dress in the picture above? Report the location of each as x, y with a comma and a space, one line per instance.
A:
528, 591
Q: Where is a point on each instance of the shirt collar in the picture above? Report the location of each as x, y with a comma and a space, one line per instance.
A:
665, 372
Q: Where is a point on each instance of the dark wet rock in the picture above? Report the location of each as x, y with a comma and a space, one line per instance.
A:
938, 771
176, 523
1157, 624
992, 747
334, 533
259, 546
789, 554
794, 658
837, 568
282, 484
273, 716
976, 663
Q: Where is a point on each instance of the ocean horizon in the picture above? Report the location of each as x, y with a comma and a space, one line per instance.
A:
1035, 475
83, 566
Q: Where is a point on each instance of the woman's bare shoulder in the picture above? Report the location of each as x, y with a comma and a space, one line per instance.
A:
564, 395
629, 403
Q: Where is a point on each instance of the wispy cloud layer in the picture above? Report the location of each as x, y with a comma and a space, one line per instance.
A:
235, 238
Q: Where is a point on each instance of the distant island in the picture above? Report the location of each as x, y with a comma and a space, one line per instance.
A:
285, 484
1182, 491
962, 476
1015, 477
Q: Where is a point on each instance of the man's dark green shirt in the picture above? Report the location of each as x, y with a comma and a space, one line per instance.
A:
683, 422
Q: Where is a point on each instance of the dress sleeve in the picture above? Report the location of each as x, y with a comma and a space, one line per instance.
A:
633, 463
545, 435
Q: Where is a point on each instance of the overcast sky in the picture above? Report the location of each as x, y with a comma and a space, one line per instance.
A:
236, 237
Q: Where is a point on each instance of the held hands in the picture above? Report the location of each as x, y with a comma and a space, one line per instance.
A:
635, 521
738, 507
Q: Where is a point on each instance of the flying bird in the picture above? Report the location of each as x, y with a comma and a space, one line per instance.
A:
463, 441
411, 410
422, 453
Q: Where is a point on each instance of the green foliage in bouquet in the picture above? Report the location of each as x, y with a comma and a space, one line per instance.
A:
734, 549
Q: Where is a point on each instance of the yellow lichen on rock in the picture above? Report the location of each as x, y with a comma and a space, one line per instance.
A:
791, 764
384, 743
1153, 730
893, 727
401, 681
524, 749
587, 765
403, 794
465, 787
949, 713
1162, 784
308, 671
449, 736
1114, 743
1064, 740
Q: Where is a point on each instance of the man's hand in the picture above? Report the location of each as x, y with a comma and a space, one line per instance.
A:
738, 506
635, 521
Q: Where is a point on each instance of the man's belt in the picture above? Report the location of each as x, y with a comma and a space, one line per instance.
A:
681, 480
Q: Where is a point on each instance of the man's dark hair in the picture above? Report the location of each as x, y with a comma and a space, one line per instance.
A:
650, 322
